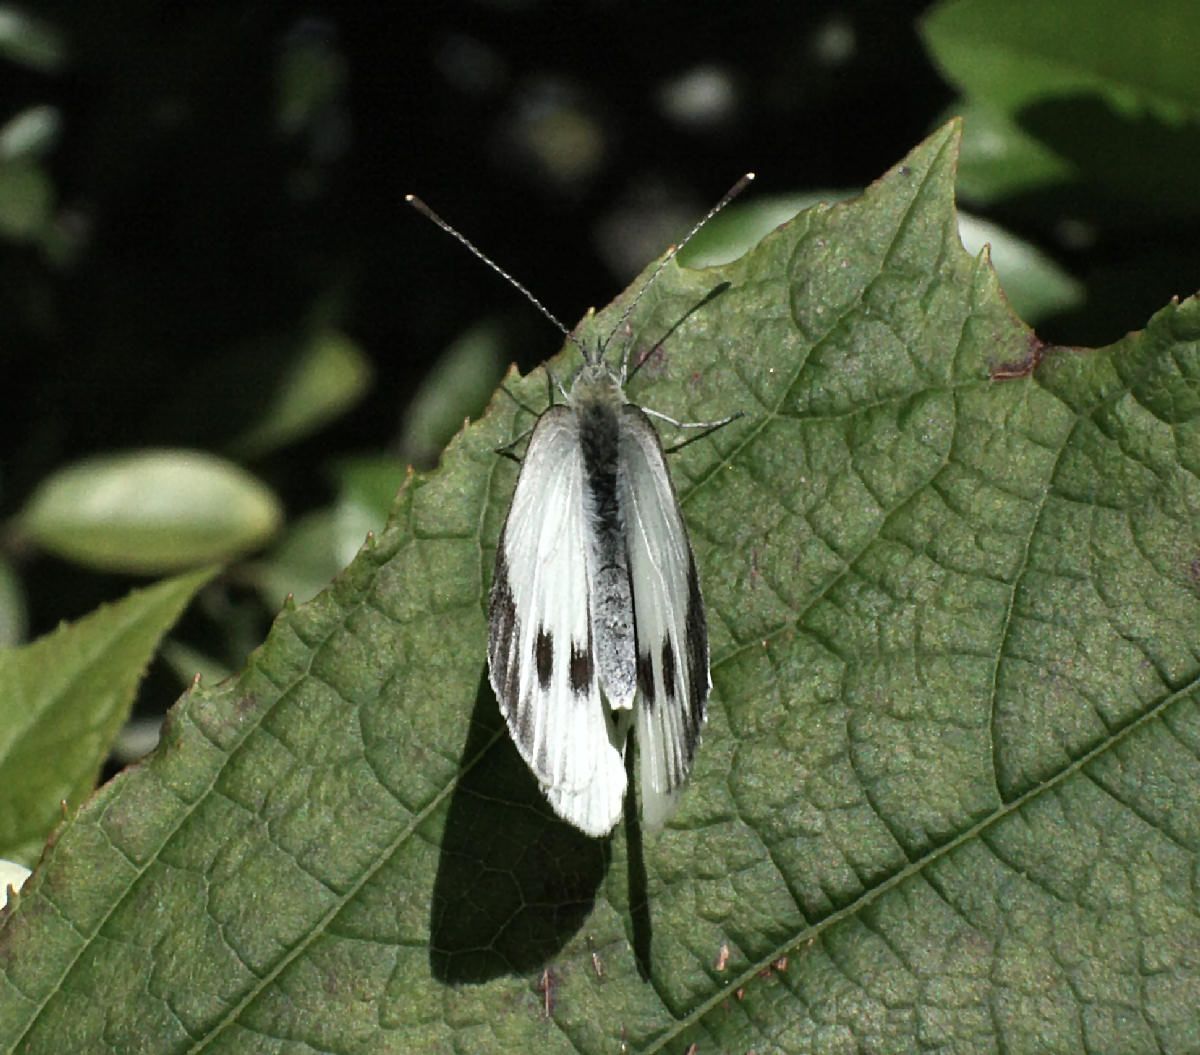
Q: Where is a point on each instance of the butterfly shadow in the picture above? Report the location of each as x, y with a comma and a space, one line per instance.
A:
514, 882
639, 894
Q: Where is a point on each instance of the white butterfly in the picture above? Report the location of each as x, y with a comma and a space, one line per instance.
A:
596, 621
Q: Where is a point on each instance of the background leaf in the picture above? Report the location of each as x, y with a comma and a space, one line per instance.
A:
326, 376
455, 389
1093, 87
1025, 51
946, 795
65, 696
150, 511
27, 40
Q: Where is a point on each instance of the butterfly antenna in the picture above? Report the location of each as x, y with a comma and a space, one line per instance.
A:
425, 210
730, 194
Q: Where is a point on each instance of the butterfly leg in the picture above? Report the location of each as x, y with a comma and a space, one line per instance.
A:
706, 427
505, 449
552, 382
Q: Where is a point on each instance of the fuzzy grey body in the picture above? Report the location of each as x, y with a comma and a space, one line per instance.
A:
597, 401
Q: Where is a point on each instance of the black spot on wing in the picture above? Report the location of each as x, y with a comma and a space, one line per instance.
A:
582, 670
543, 656
503, 630
645, 678
668, 666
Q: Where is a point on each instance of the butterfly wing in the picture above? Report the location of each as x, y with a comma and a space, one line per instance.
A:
541, 658
672, 636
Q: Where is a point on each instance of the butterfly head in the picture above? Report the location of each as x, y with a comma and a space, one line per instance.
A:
597, 381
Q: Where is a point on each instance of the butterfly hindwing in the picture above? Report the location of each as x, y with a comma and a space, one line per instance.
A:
541, 651
672, 634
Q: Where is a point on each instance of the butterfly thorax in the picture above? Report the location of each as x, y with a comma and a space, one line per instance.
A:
596, 383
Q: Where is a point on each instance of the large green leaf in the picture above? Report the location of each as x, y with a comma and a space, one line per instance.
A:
947, 795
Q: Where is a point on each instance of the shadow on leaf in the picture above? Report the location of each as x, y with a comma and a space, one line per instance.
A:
514, 882
639, 897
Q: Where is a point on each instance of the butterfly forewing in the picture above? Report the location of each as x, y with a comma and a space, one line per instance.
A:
672, 635
541, 652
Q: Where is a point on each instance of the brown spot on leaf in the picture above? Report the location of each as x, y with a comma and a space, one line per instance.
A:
1017, 368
